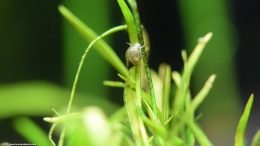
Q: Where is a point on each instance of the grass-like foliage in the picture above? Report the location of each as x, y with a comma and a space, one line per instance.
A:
153, 113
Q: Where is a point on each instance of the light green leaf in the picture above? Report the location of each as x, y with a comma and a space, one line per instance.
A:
256, 139
132, 32
241, 128
31, 132
102, 47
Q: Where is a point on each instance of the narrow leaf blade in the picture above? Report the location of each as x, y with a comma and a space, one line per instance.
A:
241, 128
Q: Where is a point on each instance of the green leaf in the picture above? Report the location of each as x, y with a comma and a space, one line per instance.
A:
30, 131
179, 100
101, 46
36, 98
199, 98
132, 32
256, 139
182, 94
241, 128
134, 110
199, 134
165, 74
110, 31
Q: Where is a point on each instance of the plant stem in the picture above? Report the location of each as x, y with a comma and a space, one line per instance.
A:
138, 24
101, 46
132, 32
110, 31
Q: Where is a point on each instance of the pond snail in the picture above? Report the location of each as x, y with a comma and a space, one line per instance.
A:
133, 54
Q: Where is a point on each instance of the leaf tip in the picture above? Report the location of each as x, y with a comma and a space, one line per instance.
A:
206, 38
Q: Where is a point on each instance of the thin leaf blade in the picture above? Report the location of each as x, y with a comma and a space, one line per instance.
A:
241, 128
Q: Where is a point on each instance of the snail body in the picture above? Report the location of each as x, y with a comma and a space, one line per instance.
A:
133, 54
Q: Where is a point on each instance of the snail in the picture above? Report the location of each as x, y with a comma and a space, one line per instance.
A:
133, 54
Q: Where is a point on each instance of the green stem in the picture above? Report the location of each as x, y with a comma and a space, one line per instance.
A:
62, 136
110, 31
139, 29
132, 32
178, 104
101, 46
139, 110
137, 20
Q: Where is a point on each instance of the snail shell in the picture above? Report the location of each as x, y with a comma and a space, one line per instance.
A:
133, 54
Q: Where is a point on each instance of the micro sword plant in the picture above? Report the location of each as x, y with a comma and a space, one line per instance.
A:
153, 113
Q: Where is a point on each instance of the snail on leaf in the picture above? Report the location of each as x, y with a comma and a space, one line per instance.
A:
133, 54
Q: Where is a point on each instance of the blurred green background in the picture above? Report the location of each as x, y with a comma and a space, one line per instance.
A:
39, 54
